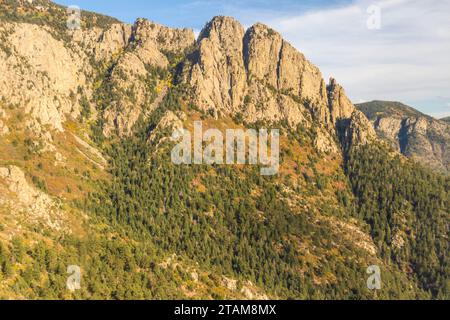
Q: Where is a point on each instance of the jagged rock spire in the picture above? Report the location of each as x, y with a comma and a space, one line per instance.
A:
260, 75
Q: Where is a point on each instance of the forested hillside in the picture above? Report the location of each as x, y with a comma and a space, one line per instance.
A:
86, 176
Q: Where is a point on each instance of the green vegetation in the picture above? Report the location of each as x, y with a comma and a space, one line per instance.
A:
230, 221
42, 12
407, 209
234, 222
305, 234
388, 108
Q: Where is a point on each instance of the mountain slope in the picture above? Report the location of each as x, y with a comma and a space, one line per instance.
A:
258, 76
412, 133
86, 177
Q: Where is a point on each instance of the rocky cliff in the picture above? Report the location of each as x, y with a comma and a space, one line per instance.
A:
86, 175
259, 75
55, 73
252, 73
418, 136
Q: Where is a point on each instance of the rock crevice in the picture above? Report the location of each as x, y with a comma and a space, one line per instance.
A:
259, 75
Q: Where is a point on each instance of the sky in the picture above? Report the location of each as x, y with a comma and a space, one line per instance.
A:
395, 50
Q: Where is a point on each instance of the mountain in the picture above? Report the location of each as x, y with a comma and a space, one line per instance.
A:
87, 122
411, 132
447, 119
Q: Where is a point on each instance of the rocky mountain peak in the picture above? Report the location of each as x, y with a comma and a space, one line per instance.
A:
259, 75
225, 29
340, 105
252, 73
217, 72
165, 38
411, 132
86, 176
258, 54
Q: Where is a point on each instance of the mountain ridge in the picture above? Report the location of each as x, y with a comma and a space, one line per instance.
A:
446, 119
85, 123
411, 132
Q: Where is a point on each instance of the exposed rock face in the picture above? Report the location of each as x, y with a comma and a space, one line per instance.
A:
40, 74
340, 106
118, 73
170, 121
412, 133
148, 46
355, 130
218, 73
128, 82
254, 73
23, 198
352, 125
259, 75
237, 71
103, 44
248, 289
273, 61
164, 38
40, 135
48, 77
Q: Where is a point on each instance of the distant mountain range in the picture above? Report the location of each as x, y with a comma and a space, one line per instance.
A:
446, 119
414, 134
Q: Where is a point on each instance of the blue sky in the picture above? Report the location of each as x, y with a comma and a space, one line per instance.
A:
195, 13
406, 59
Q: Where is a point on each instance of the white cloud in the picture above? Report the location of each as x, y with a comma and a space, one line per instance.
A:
407, 59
